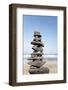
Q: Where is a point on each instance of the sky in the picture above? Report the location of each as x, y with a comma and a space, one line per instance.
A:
47, 26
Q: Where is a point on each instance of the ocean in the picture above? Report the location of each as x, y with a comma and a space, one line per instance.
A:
46, 57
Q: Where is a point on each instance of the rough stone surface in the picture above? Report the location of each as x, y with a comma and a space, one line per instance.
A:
37, 34
37, 43
37, 64
35, 48
36, 57
42, 70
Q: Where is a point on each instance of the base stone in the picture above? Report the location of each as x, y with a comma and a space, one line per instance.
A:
42, 70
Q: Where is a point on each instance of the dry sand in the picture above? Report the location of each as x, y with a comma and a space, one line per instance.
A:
51, 64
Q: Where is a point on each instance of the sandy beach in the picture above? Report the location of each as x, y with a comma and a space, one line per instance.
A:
51, 64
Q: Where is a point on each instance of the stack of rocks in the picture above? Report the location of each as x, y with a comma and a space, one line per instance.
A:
36, 64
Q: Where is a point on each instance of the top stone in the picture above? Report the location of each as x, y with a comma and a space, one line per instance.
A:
37, 34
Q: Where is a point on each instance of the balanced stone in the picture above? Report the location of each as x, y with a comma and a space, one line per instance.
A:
37, 39
37, 34
42, 70
36, 63
37, 43
37, 48
37, 53
35, 58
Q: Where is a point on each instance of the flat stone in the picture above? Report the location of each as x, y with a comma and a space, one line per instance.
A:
43, 70
37, 34
37, 39
36, 48
35, 58
37, 53
32, 67
37, 63
37, 43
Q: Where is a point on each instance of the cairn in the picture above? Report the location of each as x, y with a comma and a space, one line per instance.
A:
36, 63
